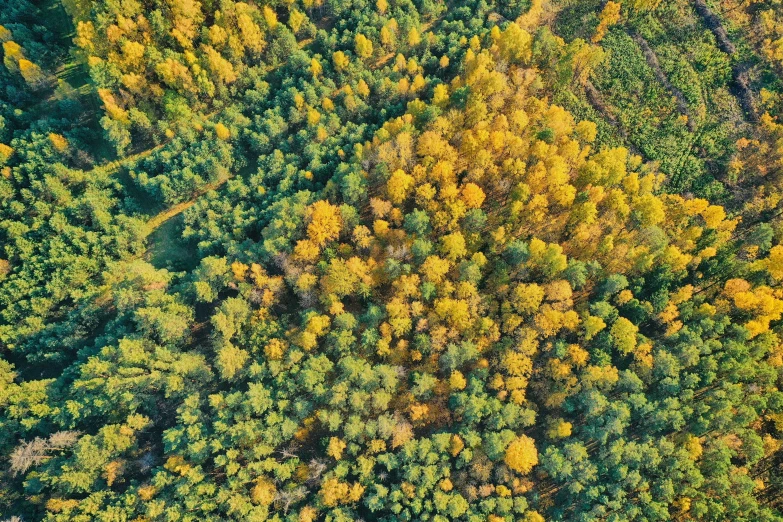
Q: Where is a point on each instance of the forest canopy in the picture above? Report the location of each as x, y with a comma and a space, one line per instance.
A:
352, 260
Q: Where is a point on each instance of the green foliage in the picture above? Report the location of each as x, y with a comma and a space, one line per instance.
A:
424, 262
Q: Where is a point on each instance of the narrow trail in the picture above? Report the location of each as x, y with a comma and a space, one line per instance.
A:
660, 75
740, 86
165, 215
113, 166
714, 24
597, 101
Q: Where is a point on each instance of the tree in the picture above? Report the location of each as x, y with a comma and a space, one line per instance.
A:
222, 70
340, 60
521, 455
325, 222
31, 73
363, 46
609, 16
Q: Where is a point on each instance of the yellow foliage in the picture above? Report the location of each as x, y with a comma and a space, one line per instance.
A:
434, 269
270, 17
455, 312
251, 36
457, 380
12, 53
414, 38
325, 222
380, 227
222, 132
296, 19
335, 448
713, 216
306, 251
340, 60
308, 514
694, 447
669, 314
5, 34
146, 492
453, 246
559, 290
363, 46
515, 44
472, 195
59, 142
113, 471
517, 363
230, 360
313, 117
586, 130
362, 88
526, 298
609, 16
623, 334
355, 493
275, 349
456, 445
177, 464
315, 67
398, 186
774, 263
58, 505
264, 492
31, 73
334, 492
5, 152
521, 455
560, 429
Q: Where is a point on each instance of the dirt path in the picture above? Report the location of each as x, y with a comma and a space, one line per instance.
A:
113, 166
597, 101
163, 216
660, 75
740, 85
714, 24
741, 89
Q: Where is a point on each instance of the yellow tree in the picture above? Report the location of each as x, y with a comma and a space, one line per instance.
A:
609, 16
31, 73
325, 222
414, 38
12, 53
221, 69
363, 46
340, 60
521, 455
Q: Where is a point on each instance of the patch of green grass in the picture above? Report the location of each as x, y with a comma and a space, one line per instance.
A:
168, 250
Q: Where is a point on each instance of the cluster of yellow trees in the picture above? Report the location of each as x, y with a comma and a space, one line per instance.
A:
16, 60
429, 291
496, 240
